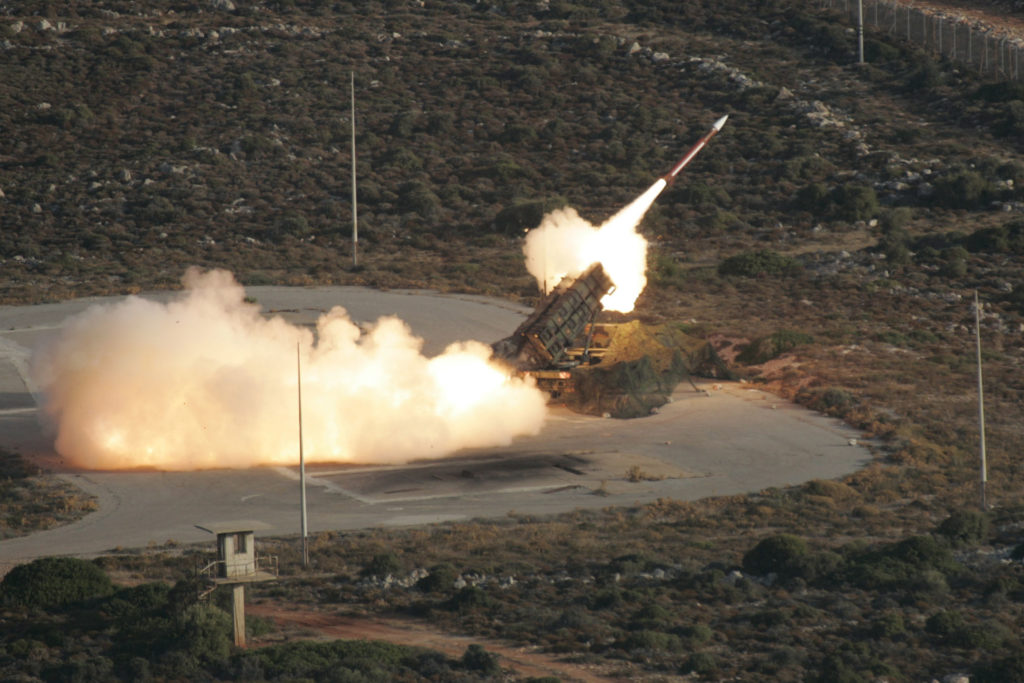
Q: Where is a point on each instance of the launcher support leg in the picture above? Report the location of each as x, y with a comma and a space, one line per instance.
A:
238, 611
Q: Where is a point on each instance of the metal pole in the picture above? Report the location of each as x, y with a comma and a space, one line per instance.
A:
302, 465
355, 219
860, 31
981, 401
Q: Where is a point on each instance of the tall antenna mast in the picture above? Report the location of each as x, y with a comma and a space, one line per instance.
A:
302, 465
981, 400
355, 217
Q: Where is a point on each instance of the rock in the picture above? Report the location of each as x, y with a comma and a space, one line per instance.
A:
634, 48
660, 57
222, 5
2, 195
18, 27
45, 25
125, 176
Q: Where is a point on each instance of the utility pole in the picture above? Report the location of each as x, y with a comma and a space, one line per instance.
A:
355, 217
302, 466
860, 31
981, 401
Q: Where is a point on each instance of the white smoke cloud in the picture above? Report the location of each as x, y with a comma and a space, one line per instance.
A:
566, 244
205, 381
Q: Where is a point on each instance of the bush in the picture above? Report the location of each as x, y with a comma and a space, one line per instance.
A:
813, 198
782, 554
382, 564
206, 633
53, 582
895, 219
888, 625
965, 527
476, 658
759, 264
918, 563
854, 202
1008, 669
441, 578
416, 197
963, 190
1001, 239
701, 663
764, 349
468, 599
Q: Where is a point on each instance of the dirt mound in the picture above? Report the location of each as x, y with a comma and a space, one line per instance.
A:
640, 368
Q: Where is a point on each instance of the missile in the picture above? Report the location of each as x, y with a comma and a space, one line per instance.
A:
671, 175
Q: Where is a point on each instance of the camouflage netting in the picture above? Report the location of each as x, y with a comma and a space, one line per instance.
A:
640, 370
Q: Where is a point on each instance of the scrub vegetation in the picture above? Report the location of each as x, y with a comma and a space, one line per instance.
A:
832, 236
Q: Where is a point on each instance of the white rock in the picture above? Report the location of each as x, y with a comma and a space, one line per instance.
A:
660, 57
223, 5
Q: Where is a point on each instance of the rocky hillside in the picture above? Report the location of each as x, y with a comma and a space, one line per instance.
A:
137, 138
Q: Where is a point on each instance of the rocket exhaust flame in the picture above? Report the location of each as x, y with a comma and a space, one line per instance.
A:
566, 244
198, 383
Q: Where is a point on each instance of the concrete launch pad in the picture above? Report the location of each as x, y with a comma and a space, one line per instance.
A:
726, 439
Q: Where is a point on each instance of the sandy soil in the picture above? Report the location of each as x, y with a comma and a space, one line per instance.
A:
302, 624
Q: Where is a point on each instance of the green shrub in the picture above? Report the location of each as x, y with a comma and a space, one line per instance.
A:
54, 581
652, 641
854, 202
782, 554
918, 563
895, 219
764, 349
963, 190
888, 625
441, 578
832, 401
382, 564
336, 660
965, 527
416, 197
701, 663
206, 633
476, 658
813, 197
954, 262
698, 634
1009, 669
758, 264
1001, 239
468, 599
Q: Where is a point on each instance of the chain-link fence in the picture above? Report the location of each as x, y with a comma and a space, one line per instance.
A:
985, 48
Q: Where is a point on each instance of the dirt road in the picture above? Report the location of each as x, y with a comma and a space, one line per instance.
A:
525, 662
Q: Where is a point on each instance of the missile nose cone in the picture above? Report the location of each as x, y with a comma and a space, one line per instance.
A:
720, 122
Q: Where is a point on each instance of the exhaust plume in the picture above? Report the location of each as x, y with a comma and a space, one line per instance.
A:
566, 244
205, 381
